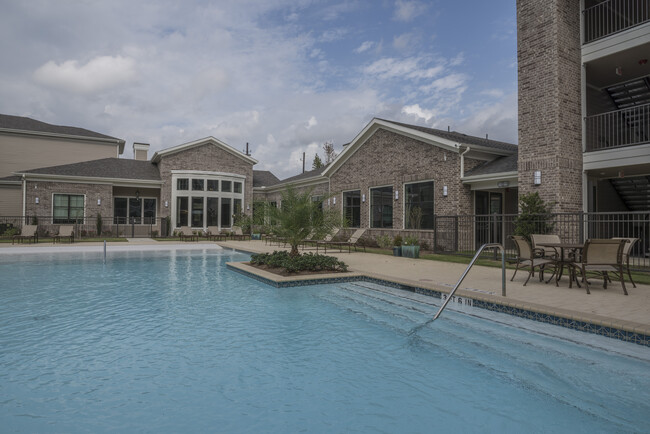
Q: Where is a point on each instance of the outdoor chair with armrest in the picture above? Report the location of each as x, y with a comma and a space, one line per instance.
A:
353, 241
603, 256
27, 232
526, 258
326, 239
238, 234
65, 232
627, 249
547, 252
185, 232
213, 233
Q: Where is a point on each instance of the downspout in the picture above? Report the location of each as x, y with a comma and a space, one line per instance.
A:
24, 195
462, 162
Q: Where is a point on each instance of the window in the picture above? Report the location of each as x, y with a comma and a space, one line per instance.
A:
213, 185
120, 210
226, 186
197, 212
381, 203
135, 211
418, 210
68, 208
149, 211
182, 184
236, 208
237, 187
225, 212
213, 212
352, 208
197, 184
182, 210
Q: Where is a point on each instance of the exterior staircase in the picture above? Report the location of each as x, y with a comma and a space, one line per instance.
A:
634, 192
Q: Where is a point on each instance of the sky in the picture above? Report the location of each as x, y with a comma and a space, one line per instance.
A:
283, 75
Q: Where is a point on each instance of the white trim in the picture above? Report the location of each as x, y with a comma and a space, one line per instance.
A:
615, 43
501, 176
299, 183
206, 173
617, 157
200, 142
88, 179
24, 181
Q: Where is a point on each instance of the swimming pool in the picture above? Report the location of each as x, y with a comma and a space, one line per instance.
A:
173, 341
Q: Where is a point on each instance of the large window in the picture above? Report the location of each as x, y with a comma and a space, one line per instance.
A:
197, 212
212, 217
182, 211
120, 210
68, 208
352, 208
149, 210
226, 212
418, 210
381, 203
134, 210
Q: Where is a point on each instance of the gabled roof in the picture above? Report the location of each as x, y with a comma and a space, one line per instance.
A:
205, 141
264, 178
307, 178
498, 165
111, 168
19, 124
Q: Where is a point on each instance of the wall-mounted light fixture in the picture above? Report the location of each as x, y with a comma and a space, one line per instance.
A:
537, 177
99, 201
396, 194
137, 195
503, 184
328, 202
334, 200
166, 204
444, 190
36, 201
363, 198
248, 207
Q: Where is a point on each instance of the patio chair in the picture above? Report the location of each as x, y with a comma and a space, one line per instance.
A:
238, 234
213, 233
65, 232
603, 257
185, 232
546, 252
526, 258
626, 255
353, 241
27, 232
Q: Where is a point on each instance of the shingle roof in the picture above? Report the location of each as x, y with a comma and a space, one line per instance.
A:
11, 178
460, 137
498, 165
309, 174
104, 168
27, 124
264, 178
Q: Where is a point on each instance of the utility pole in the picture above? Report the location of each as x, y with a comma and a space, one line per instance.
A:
303, 162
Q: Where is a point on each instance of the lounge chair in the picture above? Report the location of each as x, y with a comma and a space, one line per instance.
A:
185, 232
27, 232
213, 233
626, 255
353, 241
238, 234
603, 257
526, 258
65, 232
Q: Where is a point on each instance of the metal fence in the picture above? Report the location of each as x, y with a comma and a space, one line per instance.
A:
613, 16
618, 128
137, 227
463, 234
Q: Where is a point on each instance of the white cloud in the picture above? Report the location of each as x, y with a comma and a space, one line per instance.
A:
311, 122
365, 46
407, 10
332, 35
98, 74
409, 68
494, 93
419, 112
405, 42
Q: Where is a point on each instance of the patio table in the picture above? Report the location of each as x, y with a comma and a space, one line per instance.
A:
563, 261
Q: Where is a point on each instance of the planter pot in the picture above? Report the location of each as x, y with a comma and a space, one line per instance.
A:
397, 251
411, 251
256, 236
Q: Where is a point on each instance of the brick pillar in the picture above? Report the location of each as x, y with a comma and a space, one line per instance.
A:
550, 125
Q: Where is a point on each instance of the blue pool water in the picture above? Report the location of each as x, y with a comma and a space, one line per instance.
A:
175, 342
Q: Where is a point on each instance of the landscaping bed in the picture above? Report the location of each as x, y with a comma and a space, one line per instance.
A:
281, 263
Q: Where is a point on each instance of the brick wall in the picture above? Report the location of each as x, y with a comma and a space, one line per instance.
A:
550, 125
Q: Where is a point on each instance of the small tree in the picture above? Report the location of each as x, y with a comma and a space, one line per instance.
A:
317, 164
535, 216
330, 153
99, 225
300, 217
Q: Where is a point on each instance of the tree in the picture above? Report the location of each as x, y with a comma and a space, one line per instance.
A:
330, 153
535, 216
317, 164
300, 218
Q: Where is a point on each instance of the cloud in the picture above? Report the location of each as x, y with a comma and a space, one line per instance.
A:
405, 41
365, 46
494, 93
409, 68
332, 35
419, 112
100, 73
407, 10
311, 122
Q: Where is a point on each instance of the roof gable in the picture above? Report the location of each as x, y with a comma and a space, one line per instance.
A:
205, 141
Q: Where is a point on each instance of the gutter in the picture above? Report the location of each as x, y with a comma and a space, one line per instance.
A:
24, 194
462, 162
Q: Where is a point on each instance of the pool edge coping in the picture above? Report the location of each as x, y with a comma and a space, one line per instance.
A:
622, 330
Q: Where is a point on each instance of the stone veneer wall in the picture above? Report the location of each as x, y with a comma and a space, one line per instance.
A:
392, 159
206, 157
550, 123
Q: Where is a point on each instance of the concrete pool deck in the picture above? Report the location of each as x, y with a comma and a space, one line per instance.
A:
609, 308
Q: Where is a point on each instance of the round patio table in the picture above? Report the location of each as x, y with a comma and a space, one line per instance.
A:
562, 261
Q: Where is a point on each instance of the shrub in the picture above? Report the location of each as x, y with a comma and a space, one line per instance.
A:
411, 241
384, 241
294, 264
397, 241
35, 220
168, 225
11, 232
535, 216
99, 223
154, 234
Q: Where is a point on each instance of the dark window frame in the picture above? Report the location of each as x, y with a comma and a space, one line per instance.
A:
415, 196
381, 214
352, 207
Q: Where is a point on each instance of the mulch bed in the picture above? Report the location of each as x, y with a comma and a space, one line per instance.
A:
281, 272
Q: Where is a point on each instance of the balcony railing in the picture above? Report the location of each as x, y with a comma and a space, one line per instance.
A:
618, 128
613, 16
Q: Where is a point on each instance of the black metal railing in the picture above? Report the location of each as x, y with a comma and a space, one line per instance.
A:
613, 16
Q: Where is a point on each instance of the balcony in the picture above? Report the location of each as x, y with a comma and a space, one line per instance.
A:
608, 17
618, 128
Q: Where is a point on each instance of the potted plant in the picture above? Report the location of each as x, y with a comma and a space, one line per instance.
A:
397, 246
411, 247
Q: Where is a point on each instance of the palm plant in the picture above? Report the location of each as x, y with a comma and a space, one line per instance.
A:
300, 217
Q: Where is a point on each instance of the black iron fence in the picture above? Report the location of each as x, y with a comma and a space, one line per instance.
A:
88, 227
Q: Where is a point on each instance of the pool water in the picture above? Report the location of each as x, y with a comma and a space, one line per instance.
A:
175, 342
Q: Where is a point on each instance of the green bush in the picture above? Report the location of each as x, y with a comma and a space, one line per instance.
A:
410, 241
11, 232
397, 241
294, 264
384, 241
535, 216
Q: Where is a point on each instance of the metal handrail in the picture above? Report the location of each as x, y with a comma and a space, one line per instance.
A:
478, 253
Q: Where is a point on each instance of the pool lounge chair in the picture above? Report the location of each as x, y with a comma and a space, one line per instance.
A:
526, 258
213, 233
603, 257
27, 232
238, 234
353, 241
185, 233
65, 232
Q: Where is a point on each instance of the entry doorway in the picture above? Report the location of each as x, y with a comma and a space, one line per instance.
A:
488, 207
